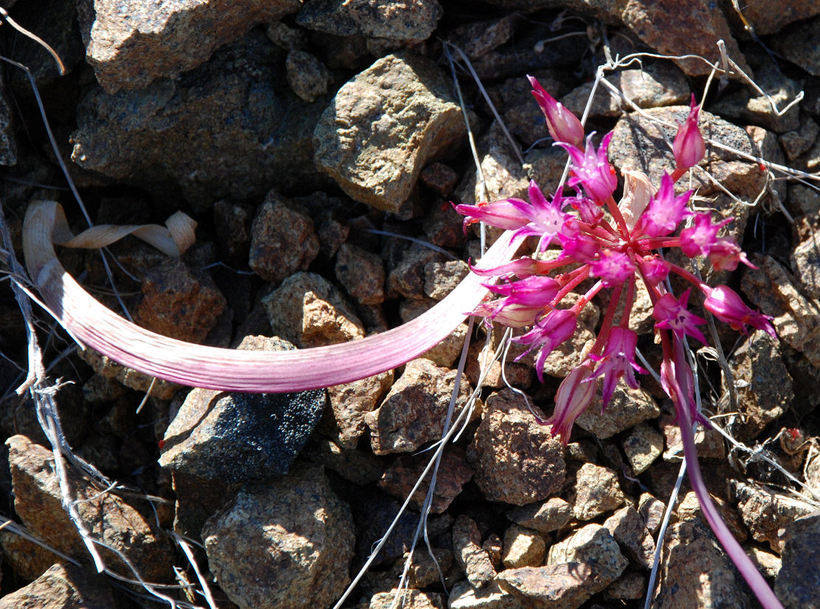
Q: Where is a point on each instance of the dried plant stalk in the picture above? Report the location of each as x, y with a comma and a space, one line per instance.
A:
96, 326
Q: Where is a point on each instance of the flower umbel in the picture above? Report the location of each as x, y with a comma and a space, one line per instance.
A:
611, 251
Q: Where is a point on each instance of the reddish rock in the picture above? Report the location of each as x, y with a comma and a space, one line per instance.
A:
62, 586
473, 559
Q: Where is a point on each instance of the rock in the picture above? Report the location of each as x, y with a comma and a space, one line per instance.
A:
651, 510
627, 408
409, 276
638, 143
414, 410
439, 177
227, 129
283, 240
480, 37
657, 84
805, 257
767, 563
642, 446
407, 599
802, 200
672, 29
63, 586
37, 501
780, 91
307, 76
8, 141
446, 353
562, 586
551, 515
443, 226
131, 44
361, 273
408, 20
357, 466
441, 278
795, 42
287, 37
276, 540
596, 491
766, 21
592, 545
238, 437
197, 499
629, 530
523, 548
631, 586
25, 558
178, 302
309, 311
464, 596
766, 513
373, 512
516, 459
695, 572
689, 508
796, 318
232, 223
795, 143
473, 559
384, 126
352, 401
143, 383
796, 585
762, 383
453, 473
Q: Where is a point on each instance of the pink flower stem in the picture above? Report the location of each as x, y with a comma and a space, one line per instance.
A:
576, 277
677, 174
603, 333
656, 242
630, 300
612, 206
686, 275
733, 549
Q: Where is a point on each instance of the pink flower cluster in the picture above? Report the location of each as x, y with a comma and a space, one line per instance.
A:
614, 244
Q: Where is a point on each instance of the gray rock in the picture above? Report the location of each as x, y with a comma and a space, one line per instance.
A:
629, 530
352, 401
400, 477
8, 141
408, 20
651, 509
414, 410
464, 596
695, 572
361, 273
596, 492
473, 559
762, 383
796, 43
562, 586
805, 257
795, 143
63, 586
275, 541
441, 178
642, 446
283, 240
307, 76
627, 408
239, 437
796, 318
407, 599
766, 21
37, 501
480, 37
592, 545
384, 126
802, 199
552, 515
232, 223
287, 37
409, 277
130, 43
441, 278
309, 311
517, 460
798, 584
655, 85
766, 513
228, 129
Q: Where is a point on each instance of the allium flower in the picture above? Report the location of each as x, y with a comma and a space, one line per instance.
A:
665, 211
613, 267
507, 213
688, 147
561, 123
549, 332
592, 170
725, 304
701, 237
572, 398
617, 361
672, 314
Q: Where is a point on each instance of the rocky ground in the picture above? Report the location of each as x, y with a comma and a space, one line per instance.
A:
309, 141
